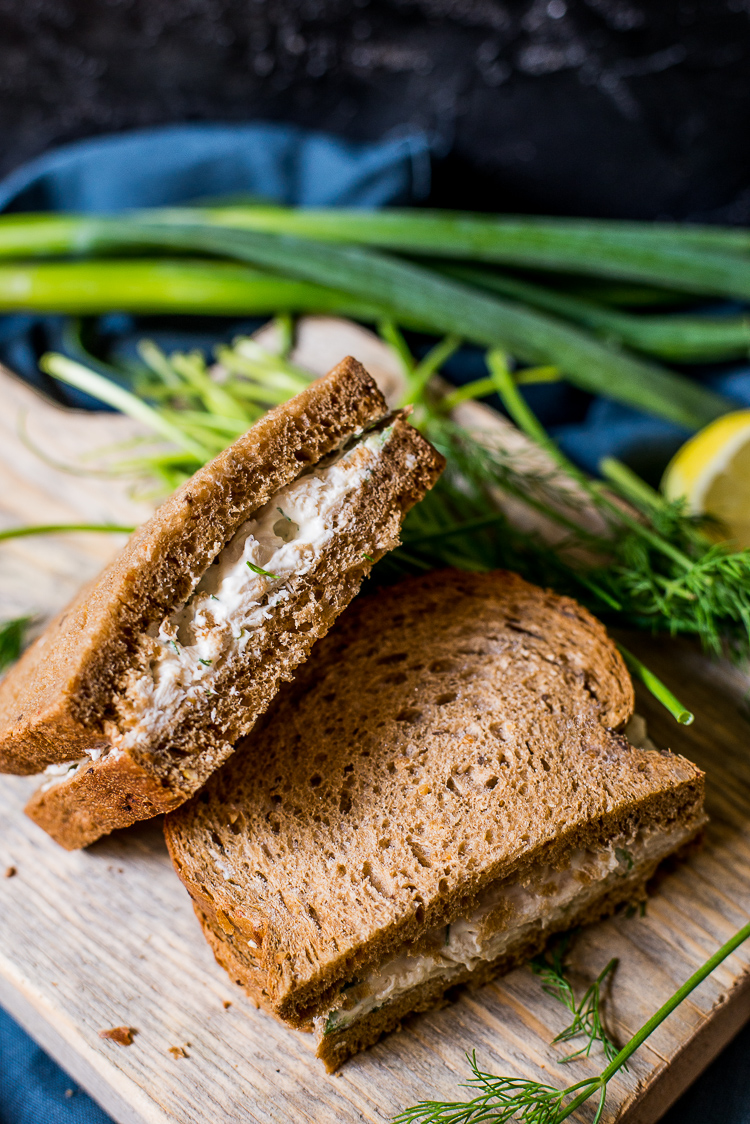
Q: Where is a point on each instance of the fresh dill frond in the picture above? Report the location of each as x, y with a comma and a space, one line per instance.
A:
206, 663
550, 967
499, 1099
263, 573
587, 1016
12, 636
655, 569
587, 1021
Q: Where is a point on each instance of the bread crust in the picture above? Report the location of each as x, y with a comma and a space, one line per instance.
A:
116, 790
449, 732
54, 701
106, 794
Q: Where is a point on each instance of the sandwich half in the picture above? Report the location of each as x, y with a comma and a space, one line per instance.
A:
142, 687
445, 784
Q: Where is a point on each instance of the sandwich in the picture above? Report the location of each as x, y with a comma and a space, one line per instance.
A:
143, 686
446, 783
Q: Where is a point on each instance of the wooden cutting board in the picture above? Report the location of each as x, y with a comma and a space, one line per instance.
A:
106, 937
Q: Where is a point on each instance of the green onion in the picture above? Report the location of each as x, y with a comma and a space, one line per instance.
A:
705, 260
631, 486
690, 259
691, 339
62, 529
656, 687
75, 374
151, 285
464, 234
418, 296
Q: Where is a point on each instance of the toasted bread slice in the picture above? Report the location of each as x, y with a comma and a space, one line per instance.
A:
445, 783
141, 688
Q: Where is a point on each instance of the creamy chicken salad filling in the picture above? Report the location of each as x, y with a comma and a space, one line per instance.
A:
543, 898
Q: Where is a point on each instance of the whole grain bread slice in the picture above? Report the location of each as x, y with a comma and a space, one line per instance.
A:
59, 702
449, 732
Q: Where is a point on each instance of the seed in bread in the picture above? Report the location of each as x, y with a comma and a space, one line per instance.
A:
444, 785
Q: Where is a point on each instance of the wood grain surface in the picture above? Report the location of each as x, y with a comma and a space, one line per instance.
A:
106, 937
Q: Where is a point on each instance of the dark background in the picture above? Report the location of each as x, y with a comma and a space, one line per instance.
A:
635, 108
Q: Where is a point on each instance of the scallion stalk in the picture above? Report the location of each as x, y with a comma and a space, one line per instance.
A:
61, 529
684, 339
689, 259
75, 374
417, 295
658, 689
160, 285
369, 282
706, 260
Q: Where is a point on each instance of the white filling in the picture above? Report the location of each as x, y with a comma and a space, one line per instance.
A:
66, 770
543, 898
285, 539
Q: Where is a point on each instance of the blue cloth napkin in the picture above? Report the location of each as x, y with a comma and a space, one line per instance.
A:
182, 163
34, 1089
192, 163
157, 167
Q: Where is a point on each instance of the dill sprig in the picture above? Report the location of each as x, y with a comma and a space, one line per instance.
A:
12, 638
261, 572
502, 1099
499, 1099
550, 967
587, 1017
587, 1021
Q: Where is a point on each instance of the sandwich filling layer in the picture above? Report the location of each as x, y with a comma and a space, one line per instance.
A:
508, 914
247, 581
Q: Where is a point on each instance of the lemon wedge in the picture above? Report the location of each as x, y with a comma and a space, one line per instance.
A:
712, 470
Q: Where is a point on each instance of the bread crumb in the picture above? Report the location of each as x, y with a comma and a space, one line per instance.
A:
177, 1052
10, 871
227, 1003
122, 1035
69, 1092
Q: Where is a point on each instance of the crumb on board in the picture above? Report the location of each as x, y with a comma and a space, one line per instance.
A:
227, 1004
177, 1052
10, 871
122, 1035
